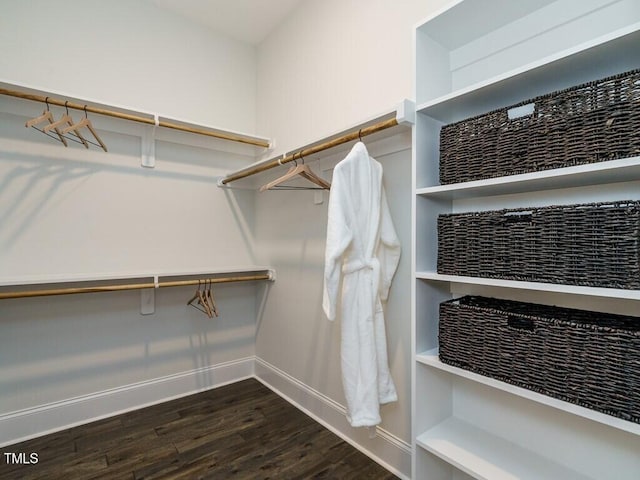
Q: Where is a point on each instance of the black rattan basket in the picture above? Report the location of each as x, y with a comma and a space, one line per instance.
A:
594, 244
589, 123
586, 358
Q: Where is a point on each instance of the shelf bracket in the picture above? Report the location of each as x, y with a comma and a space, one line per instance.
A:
148, 298
406, 112
148, 145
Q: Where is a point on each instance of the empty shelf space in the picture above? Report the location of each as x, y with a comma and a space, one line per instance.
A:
486, 456
612, 52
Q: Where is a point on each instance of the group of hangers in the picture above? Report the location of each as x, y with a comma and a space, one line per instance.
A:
65, 128
206, 304
302, 170
299, 169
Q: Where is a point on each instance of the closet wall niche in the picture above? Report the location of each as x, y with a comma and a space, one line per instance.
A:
472, 58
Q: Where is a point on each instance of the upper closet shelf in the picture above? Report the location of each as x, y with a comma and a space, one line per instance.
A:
250, 143
52, 285
73, 278
383, 125
498, 58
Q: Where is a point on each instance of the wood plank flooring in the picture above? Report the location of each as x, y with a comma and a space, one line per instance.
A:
240, 431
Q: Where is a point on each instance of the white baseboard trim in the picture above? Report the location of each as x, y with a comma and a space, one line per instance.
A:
33, 422
385, 448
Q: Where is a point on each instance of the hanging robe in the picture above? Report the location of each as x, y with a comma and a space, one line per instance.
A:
362, 255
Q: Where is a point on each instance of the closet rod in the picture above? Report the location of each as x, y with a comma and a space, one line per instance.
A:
355, 135
135, 118
132, 286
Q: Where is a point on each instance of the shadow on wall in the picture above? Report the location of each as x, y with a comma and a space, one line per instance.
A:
56, 347
242, 205
42, 180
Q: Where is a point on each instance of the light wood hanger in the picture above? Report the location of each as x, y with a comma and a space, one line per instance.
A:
302, 170
66, 119
211, 300
46, 116
201, 301
85, 122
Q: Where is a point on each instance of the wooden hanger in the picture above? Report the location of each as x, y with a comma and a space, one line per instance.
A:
299, 169
85, 122
46, 116
201, 301
66, 119
212, 302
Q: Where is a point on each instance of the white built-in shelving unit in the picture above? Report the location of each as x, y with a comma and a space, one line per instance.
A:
472, 57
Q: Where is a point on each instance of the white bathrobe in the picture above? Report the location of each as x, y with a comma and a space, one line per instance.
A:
362, 253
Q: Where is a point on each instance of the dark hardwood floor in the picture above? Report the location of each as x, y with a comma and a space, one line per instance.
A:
241, 431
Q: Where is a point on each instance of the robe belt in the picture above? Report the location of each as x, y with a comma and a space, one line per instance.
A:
361, 264
372, 264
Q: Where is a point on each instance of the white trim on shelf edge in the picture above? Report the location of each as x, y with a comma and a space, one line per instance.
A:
618, 293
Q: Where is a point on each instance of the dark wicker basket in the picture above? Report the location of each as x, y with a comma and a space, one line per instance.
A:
588, 123
594, 244
587, 358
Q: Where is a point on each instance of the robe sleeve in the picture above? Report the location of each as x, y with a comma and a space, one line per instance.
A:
388, 249
339, 238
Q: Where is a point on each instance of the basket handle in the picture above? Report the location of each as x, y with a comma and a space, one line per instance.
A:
515, 217
521, 111
520, 323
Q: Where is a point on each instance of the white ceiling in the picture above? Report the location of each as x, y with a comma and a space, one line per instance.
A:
247, 20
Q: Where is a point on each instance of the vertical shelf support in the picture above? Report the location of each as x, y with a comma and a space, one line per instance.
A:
148, 146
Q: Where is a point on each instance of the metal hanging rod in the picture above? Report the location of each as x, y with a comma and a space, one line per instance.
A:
354, 135
134, 286
136, 118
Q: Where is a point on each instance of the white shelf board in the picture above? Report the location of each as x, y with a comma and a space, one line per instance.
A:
87, 277
538, 286
488, 457
430, 359
612, 171
616, 51
40, 91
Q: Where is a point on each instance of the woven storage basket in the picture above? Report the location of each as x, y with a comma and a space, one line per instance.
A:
594, 244
588, 123
587, 358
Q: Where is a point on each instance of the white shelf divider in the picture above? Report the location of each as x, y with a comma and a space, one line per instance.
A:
488, 457
617, 293
612, 171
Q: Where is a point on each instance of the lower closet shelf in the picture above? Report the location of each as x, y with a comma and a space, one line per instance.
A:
486, 456
431, 360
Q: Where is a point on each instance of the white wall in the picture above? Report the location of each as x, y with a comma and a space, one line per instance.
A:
331, 65
67, 211
129, 53
334, 63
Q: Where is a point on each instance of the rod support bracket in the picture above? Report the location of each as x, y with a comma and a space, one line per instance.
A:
406, 112
148, 145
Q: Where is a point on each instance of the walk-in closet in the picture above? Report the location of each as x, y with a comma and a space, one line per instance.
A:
320, 239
